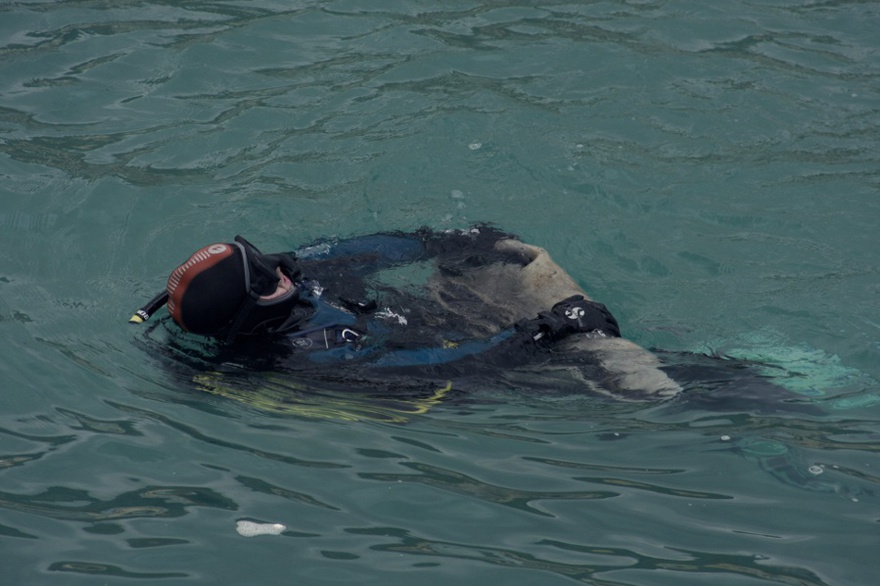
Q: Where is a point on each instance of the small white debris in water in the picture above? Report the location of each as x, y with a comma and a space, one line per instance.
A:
816, 469
475, 145
725, 438
252, 529
457, 194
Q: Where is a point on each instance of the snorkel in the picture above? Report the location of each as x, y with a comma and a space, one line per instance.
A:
151, 307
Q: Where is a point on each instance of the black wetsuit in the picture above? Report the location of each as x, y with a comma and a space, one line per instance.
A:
362, 327
360, 331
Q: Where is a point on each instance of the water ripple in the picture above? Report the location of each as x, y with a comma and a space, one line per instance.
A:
602, 565
110, 571
717, 162
457, 482
208, 439
63, 503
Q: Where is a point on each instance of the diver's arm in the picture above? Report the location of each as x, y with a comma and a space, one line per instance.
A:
632, 371
362, 255
480, 238
514, 345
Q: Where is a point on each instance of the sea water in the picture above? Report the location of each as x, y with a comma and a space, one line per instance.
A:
709, 170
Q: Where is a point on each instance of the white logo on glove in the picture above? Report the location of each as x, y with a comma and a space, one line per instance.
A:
574, 312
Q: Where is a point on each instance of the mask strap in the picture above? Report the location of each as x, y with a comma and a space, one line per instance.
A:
245, 310
263, 275
242, 315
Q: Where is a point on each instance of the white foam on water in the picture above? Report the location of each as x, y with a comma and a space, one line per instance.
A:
252, 528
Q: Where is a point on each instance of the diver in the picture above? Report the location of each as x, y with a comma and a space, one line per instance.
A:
389, 325
487, 303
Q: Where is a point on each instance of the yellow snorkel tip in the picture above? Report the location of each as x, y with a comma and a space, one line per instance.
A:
144, 313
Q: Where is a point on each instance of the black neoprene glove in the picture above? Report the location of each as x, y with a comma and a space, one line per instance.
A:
571, 316
479, 238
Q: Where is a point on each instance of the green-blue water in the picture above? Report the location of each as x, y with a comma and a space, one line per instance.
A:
709, 170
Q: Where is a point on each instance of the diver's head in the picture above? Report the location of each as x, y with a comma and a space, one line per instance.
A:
224, 290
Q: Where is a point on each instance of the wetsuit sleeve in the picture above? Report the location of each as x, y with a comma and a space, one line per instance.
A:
363, 255
430, 356
507, 349
476, 240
